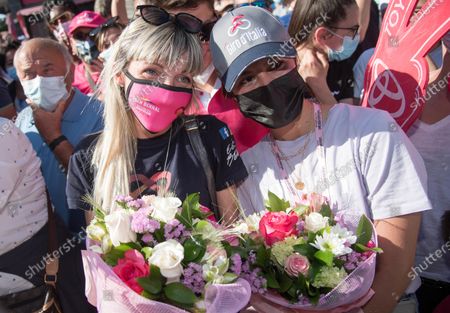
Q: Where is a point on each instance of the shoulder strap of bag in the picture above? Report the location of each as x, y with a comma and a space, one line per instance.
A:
191, 125
52, 263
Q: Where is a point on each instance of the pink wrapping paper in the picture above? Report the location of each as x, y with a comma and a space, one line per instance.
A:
105, 290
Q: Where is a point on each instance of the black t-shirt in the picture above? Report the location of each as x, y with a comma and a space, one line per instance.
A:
183, 173
340, 77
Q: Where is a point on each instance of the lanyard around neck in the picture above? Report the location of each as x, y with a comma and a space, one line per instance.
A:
318, 129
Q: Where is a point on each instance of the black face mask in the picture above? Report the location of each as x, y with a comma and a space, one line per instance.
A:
277, 104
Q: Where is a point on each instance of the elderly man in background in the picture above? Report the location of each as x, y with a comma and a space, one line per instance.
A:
58, 116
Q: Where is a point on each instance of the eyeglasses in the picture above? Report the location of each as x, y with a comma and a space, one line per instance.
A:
63, 17
157, 16
110, 22
258, 3
354, 29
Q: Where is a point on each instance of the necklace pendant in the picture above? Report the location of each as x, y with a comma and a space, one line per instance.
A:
299, 185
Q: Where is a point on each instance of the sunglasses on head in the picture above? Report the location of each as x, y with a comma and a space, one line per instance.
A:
261, 4
110, 22
157, 16
63, 17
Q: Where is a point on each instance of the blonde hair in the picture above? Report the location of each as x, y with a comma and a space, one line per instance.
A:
115, 151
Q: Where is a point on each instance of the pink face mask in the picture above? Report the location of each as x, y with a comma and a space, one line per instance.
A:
156, 105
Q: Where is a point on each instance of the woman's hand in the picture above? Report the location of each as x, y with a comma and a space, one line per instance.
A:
313, 67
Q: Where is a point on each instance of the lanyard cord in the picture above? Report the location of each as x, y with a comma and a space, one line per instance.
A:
318, 129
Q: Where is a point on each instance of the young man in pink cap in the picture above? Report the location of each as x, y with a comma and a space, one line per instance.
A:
88, 70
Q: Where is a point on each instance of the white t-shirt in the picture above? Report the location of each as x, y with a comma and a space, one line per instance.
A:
433, 143
372, 168
23, 204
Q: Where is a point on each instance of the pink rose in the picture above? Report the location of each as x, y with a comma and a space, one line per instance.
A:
129, 268
205, 209
296, 264
275, 226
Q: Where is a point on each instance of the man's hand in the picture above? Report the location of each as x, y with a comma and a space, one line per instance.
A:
48, 123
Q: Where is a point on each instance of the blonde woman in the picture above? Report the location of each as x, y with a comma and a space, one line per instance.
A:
145, 147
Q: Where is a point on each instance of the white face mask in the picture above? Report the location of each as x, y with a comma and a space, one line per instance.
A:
203, 77
46, 92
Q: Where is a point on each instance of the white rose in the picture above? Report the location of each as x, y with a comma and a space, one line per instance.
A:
165, 208
315, 222
148, 199
118, 224
168, 256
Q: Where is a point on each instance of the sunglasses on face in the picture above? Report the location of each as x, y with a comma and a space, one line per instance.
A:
63, 17
158, 16
353, 29
80, 36
261, 4
111, 22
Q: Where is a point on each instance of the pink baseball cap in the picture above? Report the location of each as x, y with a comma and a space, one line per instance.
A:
88, 19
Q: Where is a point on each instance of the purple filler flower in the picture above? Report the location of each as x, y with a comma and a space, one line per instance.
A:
141, 223
236, 266
193, 278
175, 230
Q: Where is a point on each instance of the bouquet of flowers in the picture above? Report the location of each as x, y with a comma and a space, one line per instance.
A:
157, 254
307, 257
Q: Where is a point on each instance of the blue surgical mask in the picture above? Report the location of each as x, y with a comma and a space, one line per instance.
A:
11, 70
46, 92
349, 46
86, 50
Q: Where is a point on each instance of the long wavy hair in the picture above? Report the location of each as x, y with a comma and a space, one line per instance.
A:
114, 154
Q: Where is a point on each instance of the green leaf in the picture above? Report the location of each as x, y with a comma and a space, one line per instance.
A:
194, 249
180, 293
159, 233
154, 282
306, 250
285, 283
262, 257
364, 230
275, 204
272, 281
99, 214
326, 211
148, 295
325, 257
111, 258
191, 203
311, 237
147, 252
362, 248
151, 285
314, 269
